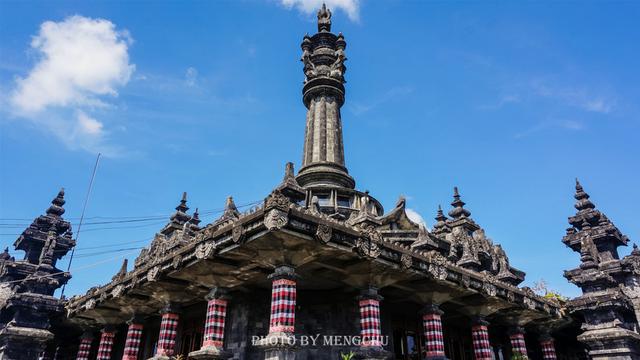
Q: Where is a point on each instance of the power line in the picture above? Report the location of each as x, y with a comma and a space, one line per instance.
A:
62, 272
123, 219
84, 208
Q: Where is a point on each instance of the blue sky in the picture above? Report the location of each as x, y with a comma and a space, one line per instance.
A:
510, 101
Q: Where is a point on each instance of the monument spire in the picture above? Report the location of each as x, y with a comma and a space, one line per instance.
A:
323, 57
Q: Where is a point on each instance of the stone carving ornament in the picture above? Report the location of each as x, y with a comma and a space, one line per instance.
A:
406, 261
276, 219
370, 232
529, 302
324, 233
117, 291
205, 250
237, 234
278, 201
368, 248
90, 304
153, 274
489, 289
438, 272
177, 260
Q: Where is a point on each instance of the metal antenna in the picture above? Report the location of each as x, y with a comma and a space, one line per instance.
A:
84, 208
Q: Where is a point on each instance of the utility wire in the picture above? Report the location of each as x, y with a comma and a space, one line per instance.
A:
84, 208
123, 219
78, 268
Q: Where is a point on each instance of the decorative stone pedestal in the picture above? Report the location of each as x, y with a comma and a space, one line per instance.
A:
20, 343
372, 353
209, 353
278, 346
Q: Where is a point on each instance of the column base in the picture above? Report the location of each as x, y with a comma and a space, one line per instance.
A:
372, 353
209, 353
278, 346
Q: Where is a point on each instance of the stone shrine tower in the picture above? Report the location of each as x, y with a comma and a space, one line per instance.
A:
323, 173
610, 290
27, 303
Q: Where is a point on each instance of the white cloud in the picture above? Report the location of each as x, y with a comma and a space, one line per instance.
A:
576, 96
88, 125
80, 62
191, 76
351, 7
415, 217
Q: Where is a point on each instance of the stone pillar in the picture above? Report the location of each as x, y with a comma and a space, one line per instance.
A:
516, 336
213, 342
134, 338
480, 336
84, 350
168, 332
371, 344
548, 347
106, 343
433, 337
279, 344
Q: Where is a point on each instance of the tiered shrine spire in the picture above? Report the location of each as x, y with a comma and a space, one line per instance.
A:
323, 57
609, 306
28, 304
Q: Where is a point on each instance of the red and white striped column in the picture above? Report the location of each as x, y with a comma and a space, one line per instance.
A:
518, 345
283, 301
480, 337
370, 329
84, 351
433, 336
548, 347
168, 331
213, 339
106, 343
134, 339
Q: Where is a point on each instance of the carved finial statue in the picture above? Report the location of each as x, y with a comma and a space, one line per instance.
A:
195, 220
230, 208
122, 272
5, 255
56, 208
324, 19
288, 172
458, 210
180, 216
583, 202
183, 203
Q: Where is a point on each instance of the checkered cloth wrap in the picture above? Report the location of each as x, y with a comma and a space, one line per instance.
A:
548, 350
283, 306
214, 324
132, 343
517, 344
434, 340
168, 332
481, 345
370, 322
85, 349
106, 344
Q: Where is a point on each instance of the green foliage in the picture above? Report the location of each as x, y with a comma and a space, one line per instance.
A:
519, 356
348, 356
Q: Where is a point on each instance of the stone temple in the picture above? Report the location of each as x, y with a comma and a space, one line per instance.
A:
318, 271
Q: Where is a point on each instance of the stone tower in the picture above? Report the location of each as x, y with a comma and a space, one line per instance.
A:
27, 303
610, 290
323, 173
